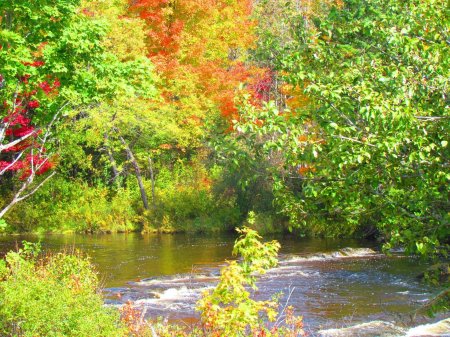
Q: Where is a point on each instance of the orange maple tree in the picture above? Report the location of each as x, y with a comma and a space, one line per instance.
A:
202, 46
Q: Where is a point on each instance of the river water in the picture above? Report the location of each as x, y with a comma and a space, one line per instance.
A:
332, 283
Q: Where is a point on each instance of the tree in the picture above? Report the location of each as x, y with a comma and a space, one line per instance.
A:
22, 146
55, 62
29, 91
200, 66
369, 150
120, 121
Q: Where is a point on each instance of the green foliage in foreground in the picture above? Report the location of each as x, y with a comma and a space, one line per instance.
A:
52, 296
229, 308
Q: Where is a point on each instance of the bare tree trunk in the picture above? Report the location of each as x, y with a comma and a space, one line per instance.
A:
137, 171
112, 161
116, 172
152, 177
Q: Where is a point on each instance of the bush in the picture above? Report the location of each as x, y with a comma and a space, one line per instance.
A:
53, 296
187, 201
230, 310
93, 210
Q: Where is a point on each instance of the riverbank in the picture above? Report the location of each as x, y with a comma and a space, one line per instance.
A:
264, 224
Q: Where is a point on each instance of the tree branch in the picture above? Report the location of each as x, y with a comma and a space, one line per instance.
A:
354, 140
431, 118
37, 187
12, 163
4, 147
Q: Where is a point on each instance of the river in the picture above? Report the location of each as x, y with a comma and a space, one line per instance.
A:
332, 283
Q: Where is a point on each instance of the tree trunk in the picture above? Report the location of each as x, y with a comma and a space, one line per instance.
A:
137, 171
152, 177
112, 161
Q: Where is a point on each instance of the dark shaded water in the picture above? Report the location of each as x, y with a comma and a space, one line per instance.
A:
327, 283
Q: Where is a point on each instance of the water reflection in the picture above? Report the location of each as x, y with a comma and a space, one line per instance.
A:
126, 257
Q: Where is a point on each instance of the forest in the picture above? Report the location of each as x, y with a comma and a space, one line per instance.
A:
325, 118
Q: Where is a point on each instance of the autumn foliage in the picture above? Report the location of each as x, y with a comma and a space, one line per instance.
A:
25, 150
202, 45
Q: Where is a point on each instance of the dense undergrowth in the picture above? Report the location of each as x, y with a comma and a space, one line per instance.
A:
183, 202
58, 295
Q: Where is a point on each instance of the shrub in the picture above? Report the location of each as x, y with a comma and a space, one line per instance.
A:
230, 310
53, 296
187, 200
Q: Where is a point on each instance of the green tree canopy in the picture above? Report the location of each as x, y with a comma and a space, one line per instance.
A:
370, 150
